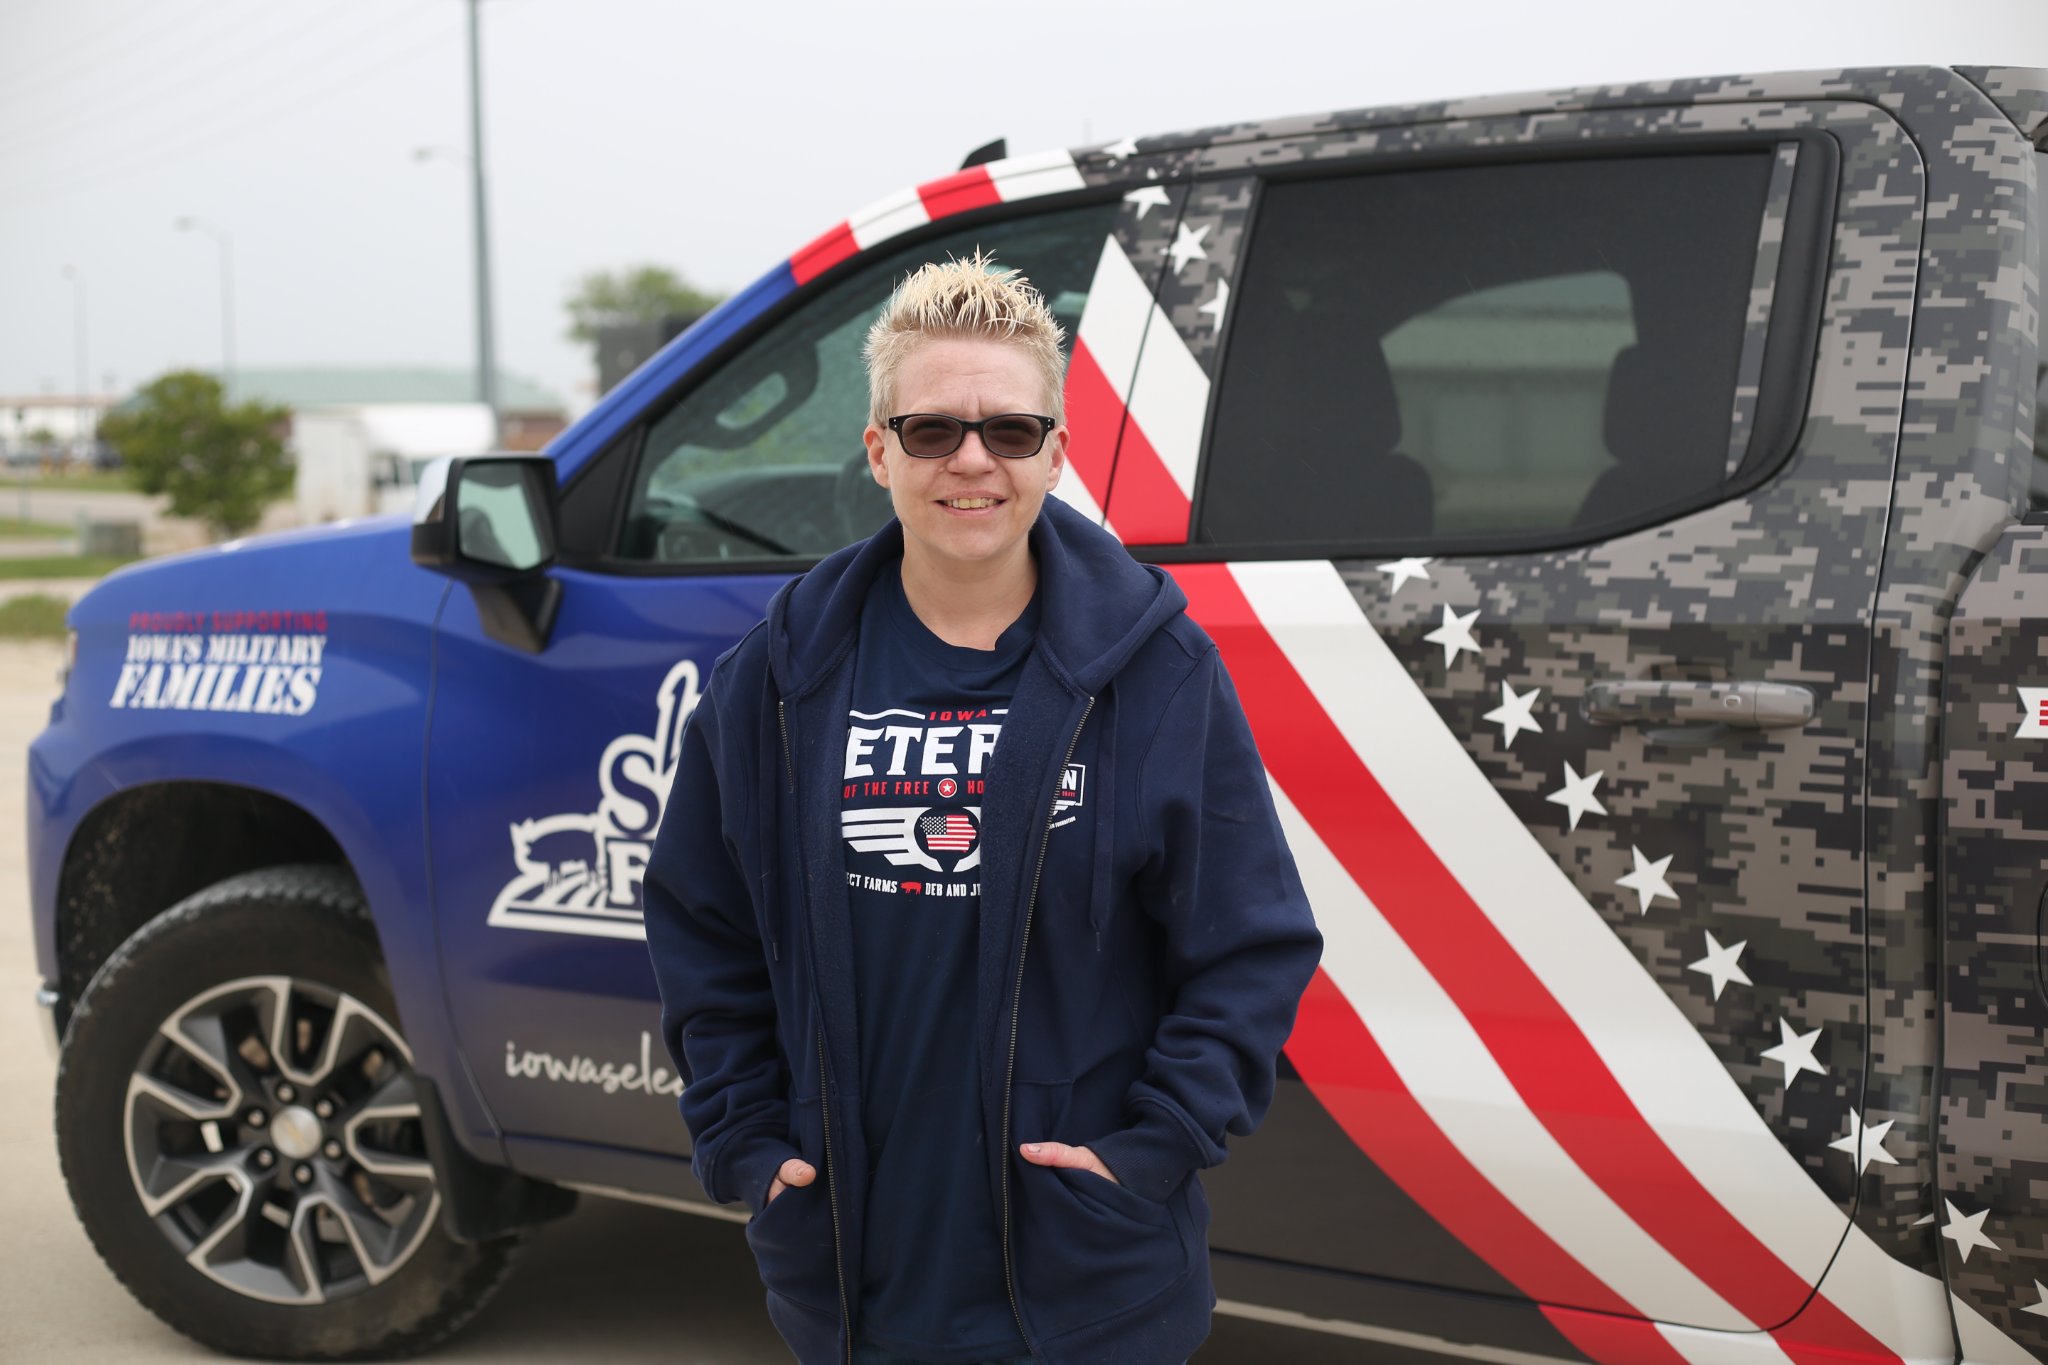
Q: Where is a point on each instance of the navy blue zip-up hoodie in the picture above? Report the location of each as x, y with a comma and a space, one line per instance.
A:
1134, 985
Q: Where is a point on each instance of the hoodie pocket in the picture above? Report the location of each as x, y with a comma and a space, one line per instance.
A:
792, 1237
1086, 1248
1094, 1189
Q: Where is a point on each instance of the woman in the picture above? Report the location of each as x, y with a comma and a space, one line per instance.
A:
975, 928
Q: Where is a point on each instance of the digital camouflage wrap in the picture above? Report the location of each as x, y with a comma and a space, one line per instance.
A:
1994, 1022
1817, 847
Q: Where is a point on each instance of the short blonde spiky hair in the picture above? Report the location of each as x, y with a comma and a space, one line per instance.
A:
971, 297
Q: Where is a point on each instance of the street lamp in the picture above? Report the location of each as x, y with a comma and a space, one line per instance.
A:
77, 278
486, 346
227, 293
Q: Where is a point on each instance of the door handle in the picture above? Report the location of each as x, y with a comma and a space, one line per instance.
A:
1750, 705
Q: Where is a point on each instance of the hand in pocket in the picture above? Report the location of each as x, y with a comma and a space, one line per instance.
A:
795, 1174
1073, 1158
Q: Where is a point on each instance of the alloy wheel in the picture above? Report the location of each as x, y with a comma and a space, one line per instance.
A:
274, 1136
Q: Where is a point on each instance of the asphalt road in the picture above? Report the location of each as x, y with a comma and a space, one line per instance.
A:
50, 502
620, 1282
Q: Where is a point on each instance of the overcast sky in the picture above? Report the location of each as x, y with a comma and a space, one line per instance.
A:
711, 138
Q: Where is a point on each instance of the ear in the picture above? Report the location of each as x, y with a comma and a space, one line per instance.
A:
877, 442
1057, 444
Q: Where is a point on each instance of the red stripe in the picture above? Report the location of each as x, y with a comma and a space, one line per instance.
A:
1344, 1068
1549, 1061
959, 192
1150, 508
822, 253
1095, 417
1351, 1077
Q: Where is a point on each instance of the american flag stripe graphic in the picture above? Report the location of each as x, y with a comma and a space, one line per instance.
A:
1100, 370
1642, 1038
998, 182
1110, 392
948, 833
1463, 1091
1622, 1088
1368, 1100
1094, 416
1553, 1068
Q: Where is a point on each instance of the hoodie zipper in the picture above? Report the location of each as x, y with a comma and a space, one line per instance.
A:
1016, 1011
832, 1199
788, 763
824, 1100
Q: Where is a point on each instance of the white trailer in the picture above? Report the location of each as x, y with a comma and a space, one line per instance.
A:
363, 459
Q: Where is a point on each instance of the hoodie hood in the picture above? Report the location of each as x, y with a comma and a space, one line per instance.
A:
1097, 604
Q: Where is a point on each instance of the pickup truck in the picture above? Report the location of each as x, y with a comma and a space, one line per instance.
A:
1620, 511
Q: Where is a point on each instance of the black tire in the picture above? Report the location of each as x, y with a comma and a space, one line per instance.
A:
304, 923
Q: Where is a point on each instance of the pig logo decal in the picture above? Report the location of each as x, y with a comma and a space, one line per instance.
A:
581, 873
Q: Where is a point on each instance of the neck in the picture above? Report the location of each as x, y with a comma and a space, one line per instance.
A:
968, 604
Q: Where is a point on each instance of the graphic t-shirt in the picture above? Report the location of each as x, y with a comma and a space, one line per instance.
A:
926, 716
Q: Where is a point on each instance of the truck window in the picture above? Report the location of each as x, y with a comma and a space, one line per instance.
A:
764, 459
1501, 353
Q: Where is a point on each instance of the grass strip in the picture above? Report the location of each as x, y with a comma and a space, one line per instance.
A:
14, 529
60, 566
80, 481
33, 616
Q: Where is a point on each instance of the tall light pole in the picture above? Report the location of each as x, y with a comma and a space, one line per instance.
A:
486, 347
77, 278
227, 295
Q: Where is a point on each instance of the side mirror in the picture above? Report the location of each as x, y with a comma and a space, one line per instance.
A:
486, 518
489, 520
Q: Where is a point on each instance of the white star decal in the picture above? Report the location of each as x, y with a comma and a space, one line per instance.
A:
1647, 881
1147, 197
1967, 1232
1214, 307
1454, 634
1795, 1052
1921, 1221
1865, 1145
1722, 964
1187, 245
1576, 796
1403, 570
1126, 146
2039, 1310
1512, 715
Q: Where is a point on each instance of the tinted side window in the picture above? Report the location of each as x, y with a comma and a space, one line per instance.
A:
1487, 353
764, 459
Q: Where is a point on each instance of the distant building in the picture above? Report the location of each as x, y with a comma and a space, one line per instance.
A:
529, 416
53, 426
361, 436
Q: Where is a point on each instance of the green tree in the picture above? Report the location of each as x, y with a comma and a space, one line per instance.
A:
640, 293
222, 465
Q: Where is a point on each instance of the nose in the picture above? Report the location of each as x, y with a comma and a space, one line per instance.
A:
972, 454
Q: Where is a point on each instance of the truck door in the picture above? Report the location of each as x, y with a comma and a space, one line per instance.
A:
1538, 512
1992, 1172
548, 773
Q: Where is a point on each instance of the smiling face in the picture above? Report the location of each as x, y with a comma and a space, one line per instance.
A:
968, 513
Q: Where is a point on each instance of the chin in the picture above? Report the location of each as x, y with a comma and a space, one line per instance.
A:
948, 542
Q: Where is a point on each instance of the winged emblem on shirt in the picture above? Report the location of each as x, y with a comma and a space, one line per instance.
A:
913, 834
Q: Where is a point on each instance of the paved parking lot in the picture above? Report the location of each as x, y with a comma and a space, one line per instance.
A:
619, 1282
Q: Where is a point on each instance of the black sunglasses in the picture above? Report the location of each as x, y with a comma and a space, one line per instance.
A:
934, 435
